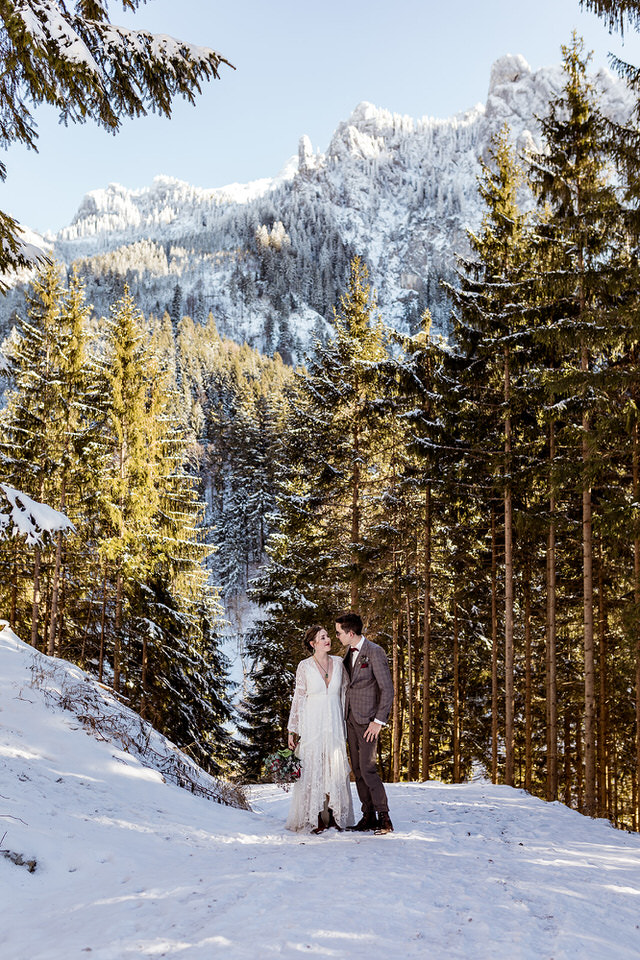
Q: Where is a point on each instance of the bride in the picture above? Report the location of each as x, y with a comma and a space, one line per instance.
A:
322, 796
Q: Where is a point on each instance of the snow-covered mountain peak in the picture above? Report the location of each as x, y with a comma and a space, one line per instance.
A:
167, 204
368, 131
519, 96
400, 192
508, 69
306, 158
377, 120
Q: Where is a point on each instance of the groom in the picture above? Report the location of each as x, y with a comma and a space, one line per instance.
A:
368, 701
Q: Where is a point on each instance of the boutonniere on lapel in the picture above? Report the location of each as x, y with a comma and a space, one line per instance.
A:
364, 662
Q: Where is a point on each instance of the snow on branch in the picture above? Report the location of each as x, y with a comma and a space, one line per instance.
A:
47, 22
159, 46
17, 252
72, 57
28, 518
90, 67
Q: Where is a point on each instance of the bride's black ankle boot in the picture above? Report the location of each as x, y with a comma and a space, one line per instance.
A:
332, 821
322, 826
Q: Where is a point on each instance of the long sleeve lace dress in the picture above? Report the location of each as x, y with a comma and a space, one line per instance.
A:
317, 716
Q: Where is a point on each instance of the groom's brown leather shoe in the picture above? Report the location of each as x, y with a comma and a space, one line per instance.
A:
369, 822
384, 824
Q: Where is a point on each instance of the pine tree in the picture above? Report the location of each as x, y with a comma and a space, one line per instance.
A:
490, 328
88, 68
80, 439
330, 486
131, 497
344, 381
52, 442
33, 445
583, 225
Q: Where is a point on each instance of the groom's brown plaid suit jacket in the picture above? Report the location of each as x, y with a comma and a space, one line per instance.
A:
370, 689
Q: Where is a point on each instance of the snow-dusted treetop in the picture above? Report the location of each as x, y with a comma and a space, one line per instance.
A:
73, 57
28, 518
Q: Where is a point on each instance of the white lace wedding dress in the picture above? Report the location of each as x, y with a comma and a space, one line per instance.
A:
317, 716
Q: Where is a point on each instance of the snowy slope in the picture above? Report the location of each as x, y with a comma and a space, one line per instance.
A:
130, 866
399, 191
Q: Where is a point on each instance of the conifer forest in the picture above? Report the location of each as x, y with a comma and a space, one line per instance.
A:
475, 497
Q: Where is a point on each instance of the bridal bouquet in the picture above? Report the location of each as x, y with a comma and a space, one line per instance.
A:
283, 767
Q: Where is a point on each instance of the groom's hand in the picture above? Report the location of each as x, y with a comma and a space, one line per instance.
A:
372, 731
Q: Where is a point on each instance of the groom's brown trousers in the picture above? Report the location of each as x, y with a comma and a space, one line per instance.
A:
363, 755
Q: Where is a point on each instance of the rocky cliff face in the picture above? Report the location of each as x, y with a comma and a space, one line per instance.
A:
269, 258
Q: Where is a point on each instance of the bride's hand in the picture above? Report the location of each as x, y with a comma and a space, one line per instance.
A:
292, 741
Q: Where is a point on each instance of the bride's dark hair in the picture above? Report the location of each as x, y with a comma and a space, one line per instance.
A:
311, 635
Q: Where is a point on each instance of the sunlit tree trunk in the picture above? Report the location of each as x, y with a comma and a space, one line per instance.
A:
396, 681
550, 652
117, 645
35, 605
53, 622
528, 720
355, 518
494, 650
636, 598
14, 587
456, 692
103, 623
508, 589
589, 655
426, 642
602, 711
409, 688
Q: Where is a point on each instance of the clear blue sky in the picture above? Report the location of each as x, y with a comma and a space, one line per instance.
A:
301, 68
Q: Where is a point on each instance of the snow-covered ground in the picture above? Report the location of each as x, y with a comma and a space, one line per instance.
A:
131, 866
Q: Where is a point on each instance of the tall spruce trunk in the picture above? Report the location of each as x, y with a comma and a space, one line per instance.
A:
143, 678
590, 808
602, 705
117, 644
85, 634
426, 641
551, 687
35, 604
568, 783
62, 599
355, 518
55, 585
14, 586
409, 687
396, 686
579, 763
417, 702
636, 599
103, 622
37, 564
528, 715
508, 589
456, 692
494, 650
